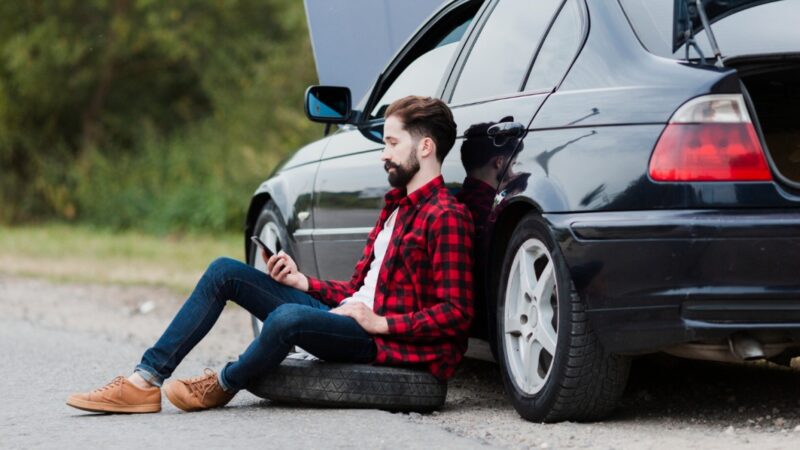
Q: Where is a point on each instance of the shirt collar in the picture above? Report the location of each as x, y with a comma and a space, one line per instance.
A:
478, 185
398, 195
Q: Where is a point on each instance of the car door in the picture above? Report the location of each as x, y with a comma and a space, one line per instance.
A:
501, 81
488, 86
351, 182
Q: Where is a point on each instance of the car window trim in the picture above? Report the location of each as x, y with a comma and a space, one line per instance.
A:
389, 72
541, 44
633, 28
458, 67
515, 94
454, 77
585, 35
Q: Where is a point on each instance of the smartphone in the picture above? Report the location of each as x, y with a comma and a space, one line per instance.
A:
263, 246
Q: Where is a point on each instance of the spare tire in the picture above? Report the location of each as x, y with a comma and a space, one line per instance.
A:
320, 383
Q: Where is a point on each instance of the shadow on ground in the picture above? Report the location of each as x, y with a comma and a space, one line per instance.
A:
757, 395
660, 387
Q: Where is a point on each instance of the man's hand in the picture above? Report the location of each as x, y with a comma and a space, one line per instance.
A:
282, 268
363, 314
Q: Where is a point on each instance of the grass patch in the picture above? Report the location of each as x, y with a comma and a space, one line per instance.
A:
86, 254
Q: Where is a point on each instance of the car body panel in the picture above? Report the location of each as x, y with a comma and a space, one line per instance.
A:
308, 154
291, 190
739, 265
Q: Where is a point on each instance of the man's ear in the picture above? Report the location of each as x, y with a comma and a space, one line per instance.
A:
427, 147
499, 162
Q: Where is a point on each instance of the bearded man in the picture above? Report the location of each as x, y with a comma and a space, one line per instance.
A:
409, 301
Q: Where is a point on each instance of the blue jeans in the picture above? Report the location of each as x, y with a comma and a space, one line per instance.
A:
290, 317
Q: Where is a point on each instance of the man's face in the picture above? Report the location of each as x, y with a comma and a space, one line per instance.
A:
400, 153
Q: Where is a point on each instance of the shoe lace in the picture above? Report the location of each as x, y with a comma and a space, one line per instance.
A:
114, 383
203, 384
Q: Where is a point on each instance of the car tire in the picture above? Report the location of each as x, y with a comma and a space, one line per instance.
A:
553, 366
341, 385
271, 229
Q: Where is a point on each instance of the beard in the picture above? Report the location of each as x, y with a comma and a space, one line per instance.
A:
403, 173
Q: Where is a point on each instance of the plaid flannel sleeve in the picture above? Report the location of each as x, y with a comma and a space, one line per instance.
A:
450, 246
330, 292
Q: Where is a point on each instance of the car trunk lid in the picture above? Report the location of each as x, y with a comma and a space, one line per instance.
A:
688, 17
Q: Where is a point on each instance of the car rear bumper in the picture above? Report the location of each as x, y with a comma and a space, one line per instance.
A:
653, 279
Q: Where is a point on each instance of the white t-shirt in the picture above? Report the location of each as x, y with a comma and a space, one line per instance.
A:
366, 293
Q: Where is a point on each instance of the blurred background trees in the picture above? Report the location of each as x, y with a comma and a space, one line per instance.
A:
157, 115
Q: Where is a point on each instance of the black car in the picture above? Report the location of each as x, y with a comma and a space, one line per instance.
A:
643, 182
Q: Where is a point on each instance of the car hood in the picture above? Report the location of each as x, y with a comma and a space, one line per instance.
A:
715, 10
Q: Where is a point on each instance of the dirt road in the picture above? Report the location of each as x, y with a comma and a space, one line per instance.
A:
57, 338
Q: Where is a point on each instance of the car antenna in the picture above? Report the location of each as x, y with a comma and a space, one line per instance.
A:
701, 11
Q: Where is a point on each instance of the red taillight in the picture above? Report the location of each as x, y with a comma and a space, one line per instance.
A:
710, 139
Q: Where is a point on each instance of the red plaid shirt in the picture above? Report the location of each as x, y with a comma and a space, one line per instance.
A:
478, 196
425, 283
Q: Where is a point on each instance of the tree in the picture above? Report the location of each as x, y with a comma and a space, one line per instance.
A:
82, 79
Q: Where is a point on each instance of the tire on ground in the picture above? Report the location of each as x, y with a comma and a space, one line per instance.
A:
340, 385
585, 382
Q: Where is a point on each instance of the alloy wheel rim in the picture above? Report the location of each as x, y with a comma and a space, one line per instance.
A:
530, 324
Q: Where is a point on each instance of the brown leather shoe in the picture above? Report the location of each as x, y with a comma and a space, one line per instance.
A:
198, 393
118, 396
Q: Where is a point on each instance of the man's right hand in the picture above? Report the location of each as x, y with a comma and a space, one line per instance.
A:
282, 268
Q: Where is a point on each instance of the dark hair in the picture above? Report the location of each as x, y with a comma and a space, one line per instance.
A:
478, 148
426, 117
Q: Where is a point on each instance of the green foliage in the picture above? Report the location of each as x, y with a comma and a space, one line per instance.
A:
144, 113
85, 253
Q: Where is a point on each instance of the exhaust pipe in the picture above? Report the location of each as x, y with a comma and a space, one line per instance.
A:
745, 347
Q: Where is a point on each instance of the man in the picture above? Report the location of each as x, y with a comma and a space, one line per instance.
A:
409, 300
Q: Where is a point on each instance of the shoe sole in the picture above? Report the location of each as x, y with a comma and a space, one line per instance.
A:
175, 400
86, 405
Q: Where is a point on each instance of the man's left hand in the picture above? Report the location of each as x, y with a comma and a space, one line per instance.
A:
363, 314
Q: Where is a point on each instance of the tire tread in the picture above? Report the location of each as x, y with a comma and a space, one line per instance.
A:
341, 385
595, 380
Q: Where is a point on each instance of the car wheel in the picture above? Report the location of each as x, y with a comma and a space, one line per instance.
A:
351, 386
270, 228
553, 366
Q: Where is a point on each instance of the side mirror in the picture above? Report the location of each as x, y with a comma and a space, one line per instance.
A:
328, 104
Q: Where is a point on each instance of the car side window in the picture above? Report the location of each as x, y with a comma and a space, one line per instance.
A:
500, 58
558, 50
423, 75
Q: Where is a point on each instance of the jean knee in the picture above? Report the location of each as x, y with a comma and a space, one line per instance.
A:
222, 265
283, 321
219, 272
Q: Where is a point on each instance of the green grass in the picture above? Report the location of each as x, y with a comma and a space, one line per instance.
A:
85, 254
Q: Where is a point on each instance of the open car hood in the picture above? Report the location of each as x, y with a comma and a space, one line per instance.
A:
715, 10
353, 40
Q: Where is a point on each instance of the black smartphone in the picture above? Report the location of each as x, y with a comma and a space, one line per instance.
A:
263, 246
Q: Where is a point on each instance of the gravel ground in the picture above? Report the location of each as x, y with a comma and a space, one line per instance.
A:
57, 338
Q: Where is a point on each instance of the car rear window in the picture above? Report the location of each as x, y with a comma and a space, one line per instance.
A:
768, 28
558, 50
499, 60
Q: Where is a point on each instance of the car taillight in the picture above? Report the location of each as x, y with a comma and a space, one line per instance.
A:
710, 138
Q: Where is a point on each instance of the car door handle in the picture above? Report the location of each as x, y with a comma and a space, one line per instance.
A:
507, 129
501, 132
